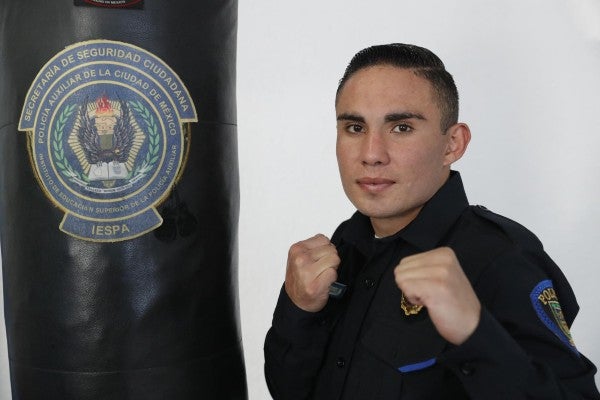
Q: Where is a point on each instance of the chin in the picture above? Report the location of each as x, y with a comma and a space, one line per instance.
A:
376, 212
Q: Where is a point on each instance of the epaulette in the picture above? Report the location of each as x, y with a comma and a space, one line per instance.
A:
516, 232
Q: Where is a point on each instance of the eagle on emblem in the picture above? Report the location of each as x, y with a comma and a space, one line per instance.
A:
106, 139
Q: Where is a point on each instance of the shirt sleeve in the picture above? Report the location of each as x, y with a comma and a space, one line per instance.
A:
513, 353
294, 349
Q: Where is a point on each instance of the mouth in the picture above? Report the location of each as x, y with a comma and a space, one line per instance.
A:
374, 185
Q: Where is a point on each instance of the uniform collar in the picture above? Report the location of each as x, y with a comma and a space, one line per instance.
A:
426, 231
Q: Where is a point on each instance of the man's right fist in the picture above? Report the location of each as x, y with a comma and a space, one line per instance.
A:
311, 268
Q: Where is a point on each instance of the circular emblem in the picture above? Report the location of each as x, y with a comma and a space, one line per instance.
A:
106, 123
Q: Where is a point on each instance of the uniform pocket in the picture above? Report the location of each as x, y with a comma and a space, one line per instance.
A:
406, 346
396, 358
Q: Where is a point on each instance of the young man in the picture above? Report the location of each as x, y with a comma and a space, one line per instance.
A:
443, 300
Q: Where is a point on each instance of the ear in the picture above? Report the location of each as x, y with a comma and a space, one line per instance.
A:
459, 136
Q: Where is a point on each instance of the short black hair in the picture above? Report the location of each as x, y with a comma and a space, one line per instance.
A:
422, 61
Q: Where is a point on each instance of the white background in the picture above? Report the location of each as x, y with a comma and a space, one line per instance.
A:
528, 74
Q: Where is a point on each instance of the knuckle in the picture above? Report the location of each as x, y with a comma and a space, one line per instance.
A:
320, 236
318, 239
311, 291
335, 259
299, 259
447, 252
295, 248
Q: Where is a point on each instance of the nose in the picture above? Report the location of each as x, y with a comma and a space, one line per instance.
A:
374, 150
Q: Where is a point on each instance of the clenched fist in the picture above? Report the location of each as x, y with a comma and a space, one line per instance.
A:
436, 280
311, 268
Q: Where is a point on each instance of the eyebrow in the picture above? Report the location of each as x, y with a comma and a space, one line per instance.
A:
350, 117
402, 116
388, 118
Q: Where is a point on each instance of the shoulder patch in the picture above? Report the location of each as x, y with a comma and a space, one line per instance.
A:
546, 305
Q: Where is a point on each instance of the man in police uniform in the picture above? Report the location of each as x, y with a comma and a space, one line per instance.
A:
441, 300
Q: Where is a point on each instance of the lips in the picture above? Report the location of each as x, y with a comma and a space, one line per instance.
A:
374, 185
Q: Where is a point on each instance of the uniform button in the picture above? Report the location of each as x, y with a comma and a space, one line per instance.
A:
467, 368
369, 283
340, 363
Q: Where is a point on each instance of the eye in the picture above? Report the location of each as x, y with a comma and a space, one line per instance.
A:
355, 128
402, 128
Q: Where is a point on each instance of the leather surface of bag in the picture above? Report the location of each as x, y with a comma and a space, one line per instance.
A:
152, 315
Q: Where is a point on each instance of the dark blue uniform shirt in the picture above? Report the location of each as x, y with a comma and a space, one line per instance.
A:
363, 346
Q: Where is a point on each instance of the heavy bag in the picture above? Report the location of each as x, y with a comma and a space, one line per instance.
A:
119, 199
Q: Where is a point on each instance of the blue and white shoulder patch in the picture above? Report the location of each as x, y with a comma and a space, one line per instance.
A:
546, 305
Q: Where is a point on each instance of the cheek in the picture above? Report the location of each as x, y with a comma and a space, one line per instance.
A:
344, 156
410, 157
345, 170
421, 156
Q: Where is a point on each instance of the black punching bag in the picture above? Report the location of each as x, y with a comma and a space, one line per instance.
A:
119, 199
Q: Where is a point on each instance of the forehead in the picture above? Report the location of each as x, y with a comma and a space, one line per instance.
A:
385, 84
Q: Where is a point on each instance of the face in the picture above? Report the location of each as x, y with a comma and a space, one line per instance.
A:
392, 154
